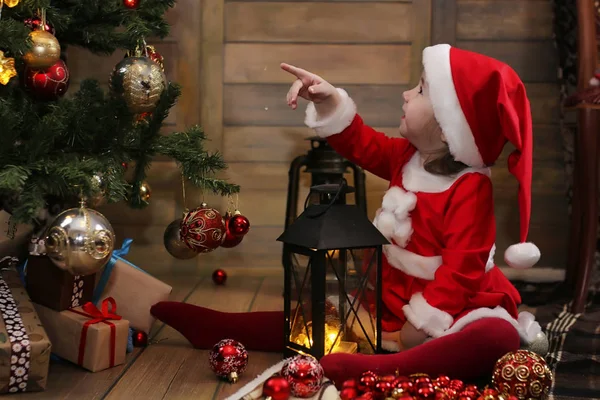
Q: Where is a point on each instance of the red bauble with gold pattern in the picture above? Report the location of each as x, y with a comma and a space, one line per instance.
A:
203, 229
238, 225
524, 374
231, 240
304, 374
47, 84
276, 388
228, 359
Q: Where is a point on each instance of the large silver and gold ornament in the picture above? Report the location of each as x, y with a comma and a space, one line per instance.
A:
173, 243
80, 241
140, 81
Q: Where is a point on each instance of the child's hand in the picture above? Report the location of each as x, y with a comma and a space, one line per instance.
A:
312, 88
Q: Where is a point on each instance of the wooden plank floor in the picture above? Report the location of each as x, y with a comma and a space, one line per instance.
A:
171, 368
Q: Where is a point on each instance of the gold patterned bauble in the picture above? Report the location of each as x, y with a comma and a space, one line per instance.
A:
7, 68
10, 3
523, 374
45, 51
140, 81
145, 192
80, 241
173, 243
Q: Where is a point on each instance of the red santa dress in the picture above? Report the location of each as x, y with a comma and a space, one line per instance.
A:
439, 271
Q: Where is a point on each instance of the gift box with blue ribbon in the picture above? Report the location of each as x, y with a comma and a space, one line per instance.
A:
134, 290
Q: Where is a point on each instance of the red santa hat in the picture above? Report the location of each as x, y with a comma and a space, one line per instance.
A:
480, 104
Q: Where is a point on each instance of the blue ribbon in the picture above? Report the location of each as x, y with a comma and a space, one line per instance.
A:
116, 256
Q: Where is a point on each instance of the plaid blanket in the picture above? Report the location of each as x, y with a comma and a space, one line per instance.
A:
574, 355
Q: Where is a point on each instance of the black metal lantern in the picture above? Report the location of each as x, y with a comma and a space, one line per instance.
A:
332, 262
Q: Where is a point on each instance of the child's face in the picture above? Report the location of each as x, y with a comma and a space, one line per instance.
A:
418, 123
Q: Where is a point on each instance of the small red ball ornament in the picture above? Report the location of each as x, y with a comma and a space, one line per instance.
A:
304, 375
276, 388
202, 229
35, 23
131, 4
349, 393
238, 224
47, 84
523, 374
228, 359
219, 276
140, 339
231, 240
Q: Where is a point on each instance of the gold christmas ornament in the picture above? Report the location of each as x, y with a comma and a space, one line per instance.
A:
173, 243
140, 81
80, 241
10, 3
7, 68
145, 191
99, 197
45, 51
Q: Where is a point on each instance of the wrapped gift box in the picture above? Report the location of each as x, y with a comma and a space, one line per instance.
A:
24, 343
93, 338
134, 290
54, 288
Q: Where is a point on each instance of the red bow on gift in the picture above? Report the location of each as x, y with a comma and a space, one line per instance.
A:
108, 312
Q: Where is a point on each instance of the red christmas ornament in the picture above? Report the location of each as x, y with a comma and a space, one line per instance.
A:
382, 388
426, 391
35, 23
131, 4
155, 56
202, 229
441, 395
457, 385
276, 388
238, 224
350, 383
523, 374
124, 165
48, 84
231, 240
140, 339
304, 375
367, 382
219, 276
228, 359
441, 381
349, 393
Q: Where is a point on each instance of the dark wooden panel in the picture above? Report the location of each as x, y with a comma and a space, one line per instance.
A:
318, 22
379, 105
364, 64
421, 37
443, 26
504, 20
534, 61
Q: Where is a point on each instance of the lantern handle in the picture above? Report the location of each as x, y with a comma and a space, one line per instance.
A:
343, 184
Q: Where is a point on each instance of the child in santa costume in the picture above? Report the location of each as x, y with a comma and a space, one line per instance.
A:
447, 307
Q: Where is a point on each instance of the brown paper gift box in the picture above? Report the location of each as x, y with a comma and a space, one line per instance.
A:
39, 354
135, 291
65, 332
54, 288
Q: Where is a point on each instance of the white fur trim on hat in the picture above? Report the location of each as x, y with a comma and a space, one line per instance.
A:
426, 317
446, 106
335, 123
522, 255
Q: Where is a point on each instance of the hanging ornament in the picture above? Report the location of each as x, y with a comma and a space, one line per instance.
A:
276, 388
152, 54
80, 240
203, 229
143, 117
7, 68
219, 277
99, 187
524, 374
174, 244
35, 23
45, 51
538, 345
47, 84
140, 81
145, 191
131, 4
230, 239
140, 339
228, 359
238, 225
304, 374
10, 3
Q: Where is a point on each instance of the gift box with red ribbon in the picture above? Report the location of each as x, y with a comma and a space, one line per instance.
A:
94, 338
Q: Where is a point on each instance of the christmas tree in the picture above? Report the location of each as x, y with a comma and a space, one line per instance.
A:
58, 146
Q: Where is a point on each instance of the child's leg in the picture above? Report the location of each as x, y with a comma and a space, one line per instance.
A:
203, 327
468, 354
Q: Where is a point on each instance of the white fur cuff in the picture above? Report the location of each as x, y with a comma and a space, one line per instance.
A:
336, 122
426, 317
522, 255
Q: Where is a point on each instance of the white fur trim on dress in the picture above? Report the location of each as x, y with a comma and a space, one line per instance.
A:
522, 255
392, 219
335, 123
411, 263
426, 317
446, 106
526, 325
416, 179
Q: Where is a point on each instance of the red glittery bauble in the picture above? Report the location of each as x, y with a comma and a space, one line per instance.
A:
36, 22
238, 224
304, 374
47, 84
277, 388
348, 393
219, 276
140, 339
523, 374
202, 229
131, 3
231, 240
228, 359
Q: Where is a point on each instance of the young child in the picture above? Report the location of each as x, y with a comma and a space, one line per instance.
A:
439, 277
